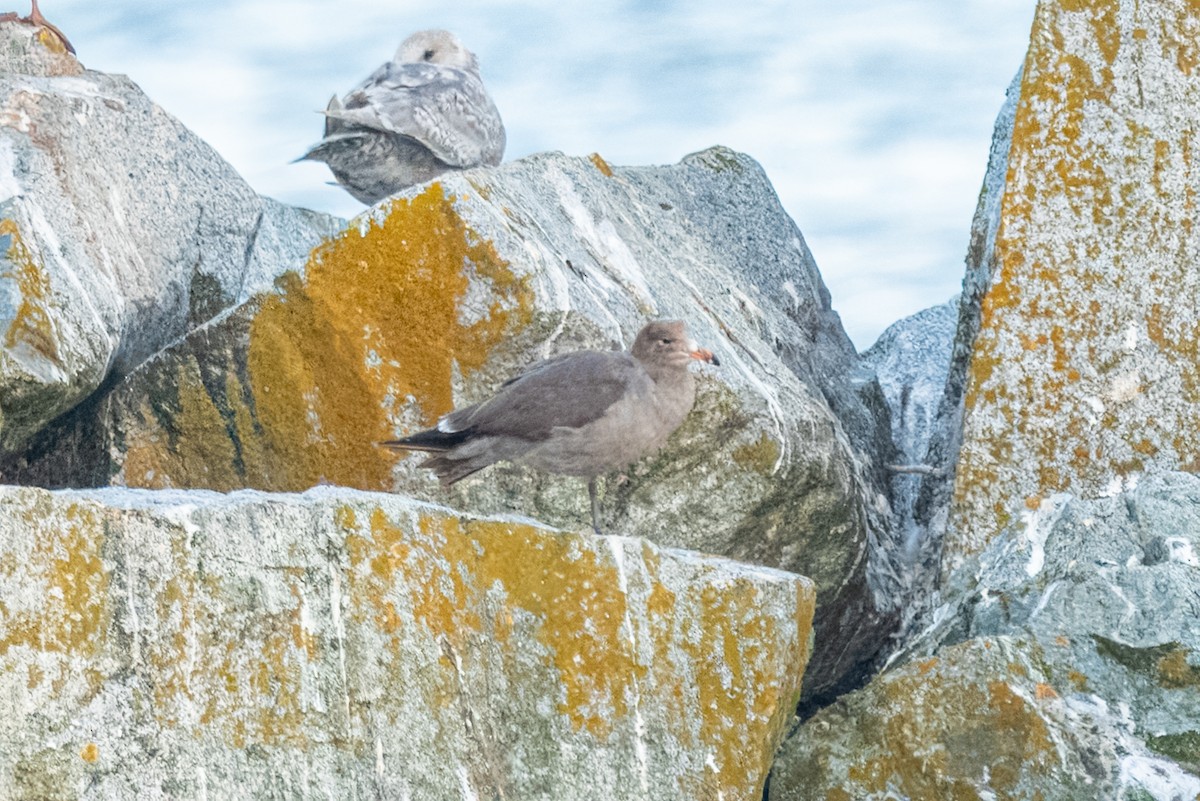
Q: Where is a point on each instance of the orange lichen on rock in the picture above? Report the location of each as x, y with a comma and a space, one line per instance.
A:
378, 326
573, 601
1092, 236
57, 598
32, 325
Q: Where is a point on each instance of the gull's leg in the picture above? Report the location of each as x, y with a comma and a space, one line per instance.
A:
595, 505
35, 18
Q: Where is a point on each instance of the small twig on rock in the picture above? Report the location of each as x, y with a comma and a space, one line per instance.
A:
917, 469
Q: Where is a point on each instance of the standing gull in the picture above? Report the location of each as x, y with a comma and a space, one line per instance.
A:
423, 113
579, 414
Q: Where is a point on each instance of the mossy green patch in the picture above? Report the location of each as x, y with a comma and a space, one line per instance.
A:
1183, 747
1167, 664
761, 455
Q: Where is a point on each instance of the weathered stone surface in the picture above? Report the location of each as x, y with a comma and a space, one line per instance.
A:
435, 297
911, 359
339, 644
1083, 616
982, 721
119, 231
1086, 370
931, 509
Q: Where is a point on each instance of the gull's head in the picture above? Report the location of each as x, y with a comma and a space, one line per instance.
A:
666, 343
436, 47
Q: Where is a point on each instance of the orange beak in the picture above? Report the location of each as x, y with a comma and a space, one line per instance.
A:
705, 355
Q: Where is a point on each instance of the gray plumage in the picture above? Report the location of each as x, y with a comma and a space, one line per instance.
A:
580, 414
424, 113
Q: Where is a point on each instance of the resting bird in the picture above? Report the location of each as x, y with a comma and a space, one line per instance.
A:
35, 18
579, 414
420, 115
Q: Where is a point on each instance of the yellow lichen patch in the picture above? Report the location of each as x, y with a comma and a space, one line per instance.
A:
936, 731
51, 41
378, 318
62, 606
223, 667
1175, 671
743, 698
576, 599
203, 456
32, 325
601, 165
1092, 237
716, 657
90, 753
760, 455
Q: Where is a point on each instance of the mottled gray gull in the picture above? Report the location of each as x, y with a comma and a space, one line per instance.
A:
579, 414
35, 18
421, 114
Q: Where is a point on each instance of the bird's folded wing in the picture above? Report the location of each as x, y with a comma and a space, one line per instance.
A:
447, 110
567, 392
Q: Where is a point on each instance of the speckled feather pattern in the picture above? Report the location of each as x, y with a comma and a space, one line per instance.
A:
412, 120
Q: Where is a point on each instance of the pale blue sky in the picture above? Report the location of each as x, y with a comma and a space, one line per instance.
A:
872, 119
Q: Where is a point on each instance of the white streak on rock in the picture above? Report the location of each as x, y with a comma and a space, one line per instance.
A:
1161, 778
1037, 524
10, 187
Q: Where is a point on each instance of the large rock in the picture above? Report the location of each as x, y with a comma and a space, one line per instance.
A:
1067, 664
435, 297
120, 231
982, 721
339, 644
1085, 369
931, 508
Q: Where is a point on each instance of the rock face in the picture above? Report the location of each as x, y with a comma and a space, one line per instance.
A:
1060, 660
340, 644
982, 720
119, 231
1085, 371
931, 510
434, 298
911, 360
1080, 654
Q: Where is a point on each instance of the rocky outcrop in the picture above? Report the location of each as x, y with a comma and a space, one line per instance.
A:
982, 720
1084, 370
1072, 640
435, 297
1059, 659
120, 231
340, 644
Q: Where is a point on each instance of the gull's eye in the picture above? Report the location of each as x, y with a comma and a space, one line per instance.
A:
666, 341
428, 55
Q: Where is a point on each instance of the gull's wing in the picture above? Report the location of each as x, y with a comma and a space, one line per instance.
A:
569, 391
444, 108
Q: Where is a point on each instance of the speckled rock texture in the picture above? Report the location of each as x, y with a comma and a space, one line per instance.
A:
119, 231
341, 644
1108, 590
433, 298
1086, 370
1067, 665
911, 360
931, 509
985, 720
1060, 656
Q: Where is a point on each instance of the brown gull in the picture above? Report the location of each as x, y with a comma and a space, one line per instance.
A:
579, 414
